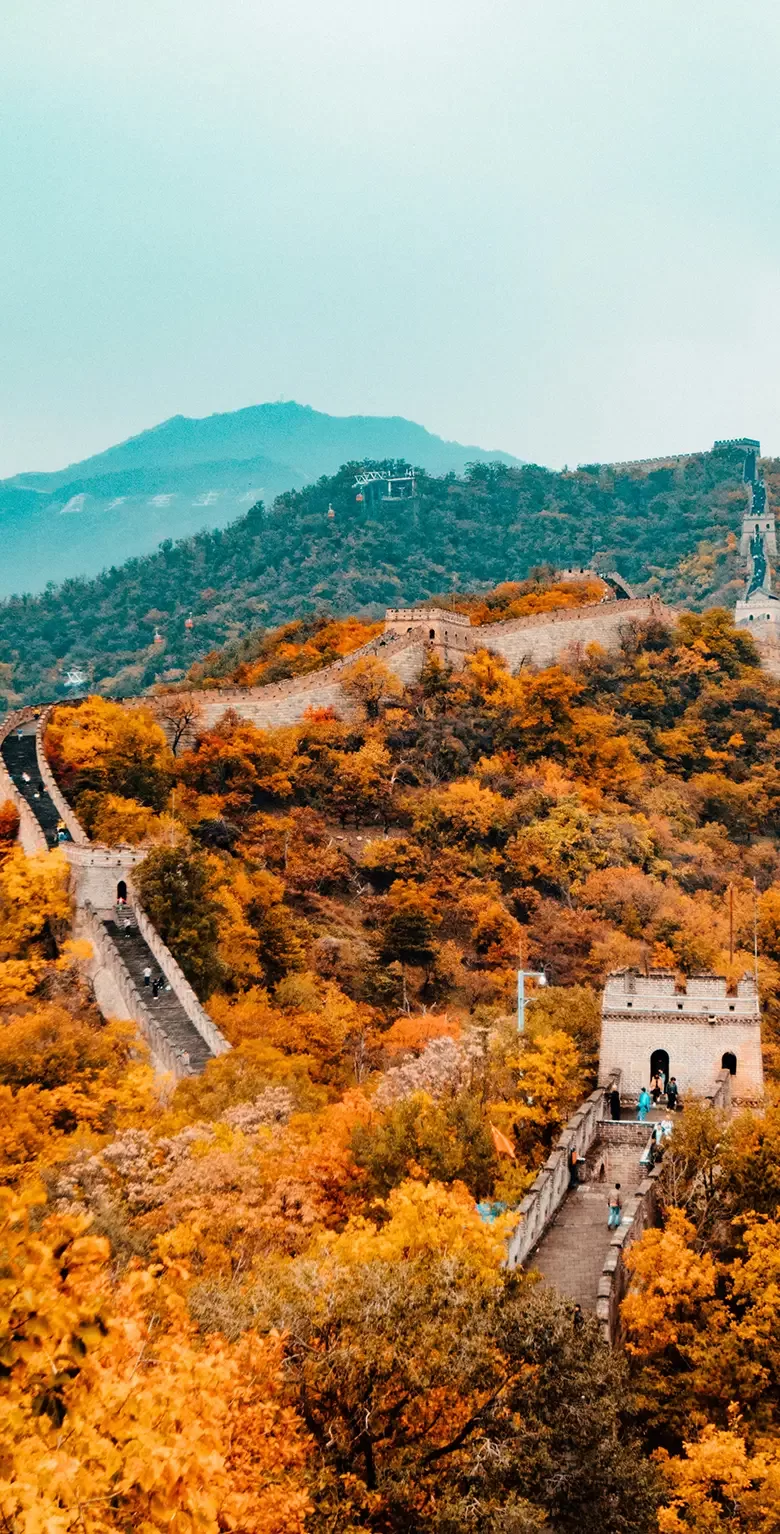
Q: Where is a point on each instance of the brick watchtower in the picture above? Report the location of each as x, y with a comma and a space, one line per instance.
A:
447, 634
648, 1022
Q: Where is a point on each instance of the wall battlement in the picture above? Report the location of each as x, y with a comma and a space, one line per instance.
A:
413, 633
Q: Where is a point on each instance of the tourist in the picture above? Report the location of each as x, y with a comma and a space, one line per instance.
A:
615, 1208
656, 1087
147, 976
614, 1103
645, 1102
673, 1094
155, 988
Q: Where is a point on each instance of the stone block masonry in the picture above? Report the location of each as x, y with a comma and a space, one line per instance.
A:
551, 1185
693, 1033
640, 1211
118, 997
52, 787
280, 703
413, 633
543, 638
201, 1022
31, 837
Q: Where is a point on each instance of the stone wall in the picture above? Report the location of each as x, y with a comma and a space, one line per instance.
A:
31, 837
719, 1095
543, 637
695, 1048
552, 1184
97, 870
178, 981
117, 995
280, 703
639, 1212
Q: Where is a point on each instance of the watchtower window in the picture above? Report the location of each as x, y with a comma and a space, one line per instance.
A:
729, 1063
431, 633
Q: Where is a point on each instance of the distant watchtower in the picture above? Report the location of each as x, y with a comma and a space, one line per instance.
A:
447, 634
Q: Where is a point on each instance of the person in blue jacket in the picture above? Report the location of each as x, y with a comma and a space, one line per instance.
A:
645, 1101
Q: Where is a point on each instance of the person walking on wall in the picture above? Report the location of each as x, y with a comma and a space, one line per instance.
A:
644, 1105
614, 1103
673, 1093
155, 989
147, 976
656, 1087
615, 1208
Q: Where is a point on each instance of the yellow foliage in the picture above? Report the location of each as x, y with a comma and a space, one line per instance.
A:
114, 1415
123, 820
670, 1282
719, 1485
34, 901
425, 1219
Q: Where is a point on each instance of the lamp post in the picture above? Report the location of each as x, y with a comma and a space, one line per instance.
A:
522, 976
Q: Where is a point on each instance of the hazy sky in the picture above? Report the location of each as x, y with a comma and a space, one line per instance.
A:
551, 226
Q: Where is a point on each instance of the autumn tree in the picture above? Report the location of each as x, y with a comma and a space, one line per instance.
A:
139, 1423
180, 714
371, 685
175, 889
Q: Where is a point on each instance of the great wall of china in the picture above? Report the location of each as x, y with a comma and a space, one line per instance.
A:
180, 1034
561, 1230
415, 632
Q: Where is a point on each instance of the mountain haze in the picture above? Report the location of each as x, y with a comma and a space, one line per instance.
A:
185, 475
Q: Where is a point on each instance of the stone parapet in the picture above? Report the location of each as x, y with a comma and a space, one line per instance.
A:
178, 981
117, 995
542, 638
639, 1212
52, 787
719, 1095
552, 1183
31, 835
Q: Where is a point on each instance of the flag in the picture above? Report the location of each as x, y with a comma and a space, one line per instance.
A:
502, 1144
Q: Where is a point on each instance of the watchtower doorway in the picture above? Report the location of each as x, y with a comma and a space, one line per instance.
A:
121, 890
659, 1061
729, 1062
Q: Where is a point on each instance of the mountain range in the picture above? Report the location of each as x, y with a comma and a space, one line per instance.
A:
328, 548
185, 475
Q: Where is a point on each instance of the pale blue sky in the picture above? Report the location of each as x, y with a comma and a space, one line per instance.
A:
546, 225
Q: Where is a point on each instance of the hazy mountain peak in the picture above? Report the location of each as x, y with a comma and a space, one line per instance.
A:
187, 473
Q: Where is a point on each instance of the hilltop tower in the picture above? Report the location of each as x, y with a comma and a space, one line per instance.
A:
648, 1023
759, 609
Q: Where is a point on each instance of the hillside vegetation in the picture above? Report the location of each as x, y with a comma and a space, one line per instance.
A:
185, 475
673, 530
266, 1301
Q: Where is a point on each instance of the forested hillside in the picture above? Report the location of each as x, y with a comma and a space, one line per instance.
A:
266, 1300
672, 530
185, 475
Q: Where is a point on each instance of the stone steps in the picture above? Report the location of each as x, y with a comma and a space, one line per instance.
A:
572, 1252
166, 1009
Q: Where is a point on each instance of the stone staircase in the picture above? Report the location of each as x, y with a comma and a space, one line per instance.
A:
19, 755
166, 1009
185, 1046
572, 1252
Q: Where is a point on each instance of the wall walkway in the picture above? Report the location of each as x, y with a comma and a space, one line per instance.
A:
182, 1037
537, 639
